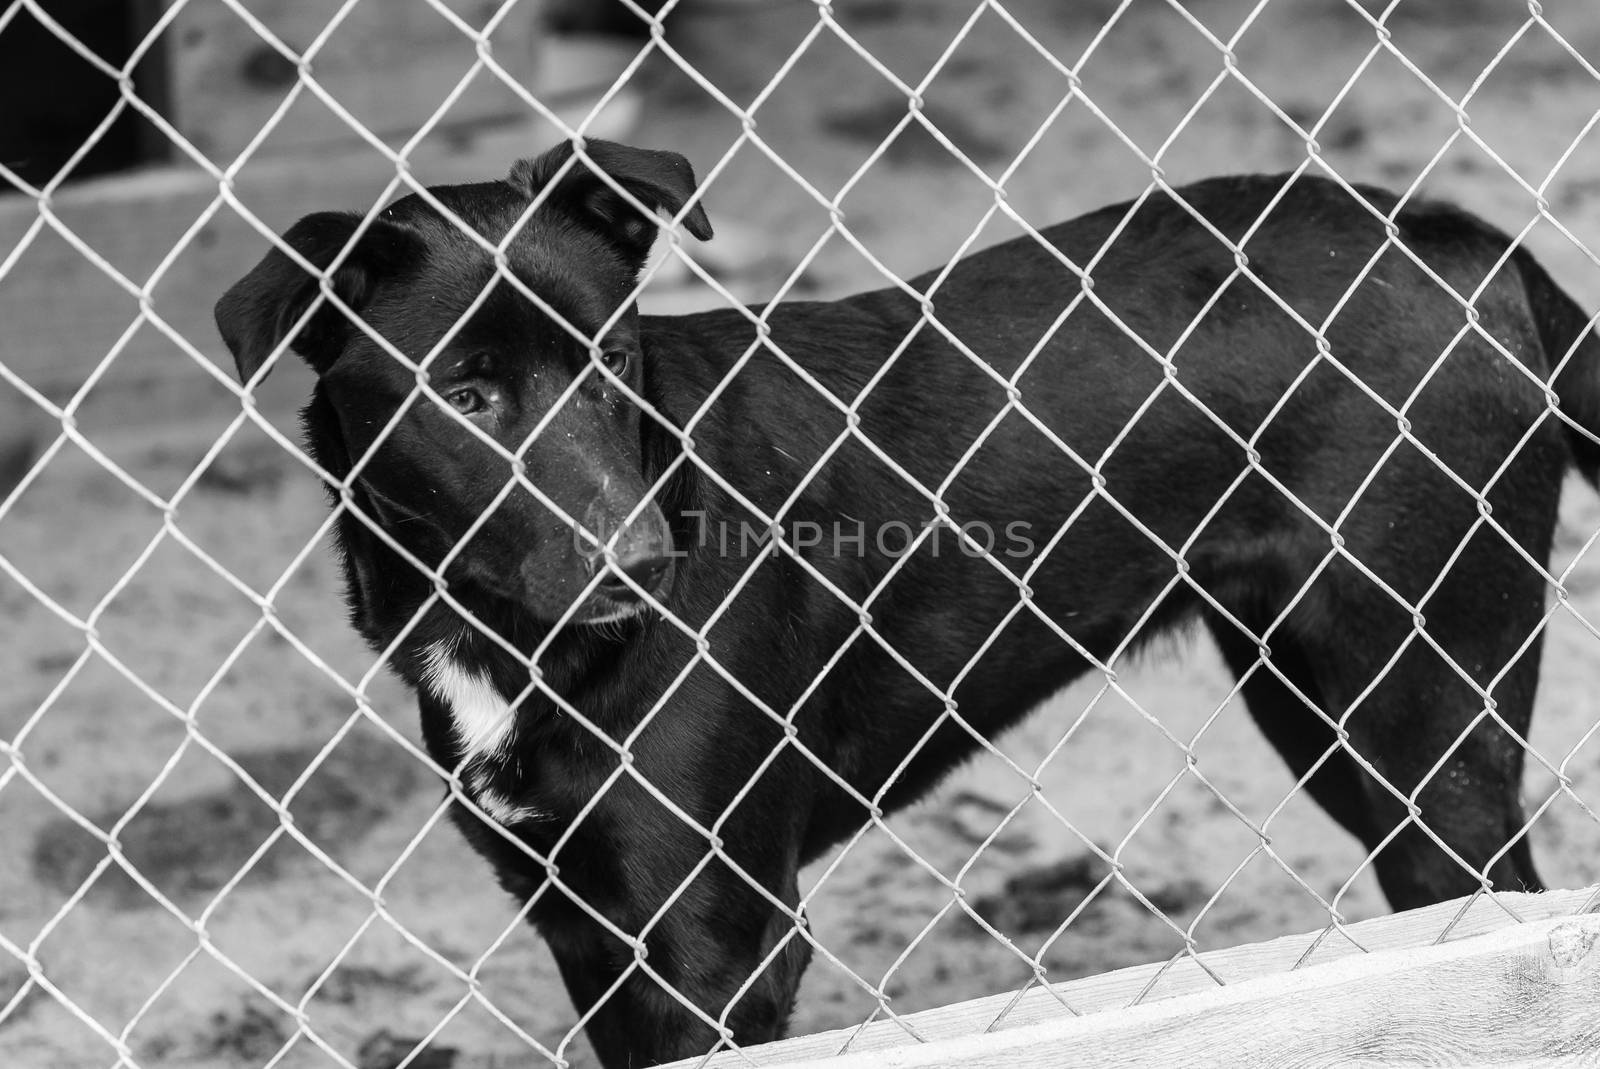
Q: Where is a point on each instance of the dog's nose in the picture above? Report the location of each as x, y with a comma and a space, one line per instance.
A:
644, 567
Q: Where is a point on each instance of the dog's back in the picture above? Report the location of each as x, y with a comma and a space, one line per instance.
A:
1290, 443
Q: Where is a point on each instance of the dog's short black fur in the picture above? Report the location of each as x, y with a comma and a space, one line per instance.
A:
1269, 463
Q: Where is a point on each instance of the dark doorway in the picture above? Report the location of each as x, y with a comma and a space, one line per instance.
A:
52, 99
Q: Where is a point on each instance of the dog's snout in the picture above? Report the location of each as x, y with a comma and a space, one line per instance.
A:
645, 566
642, 553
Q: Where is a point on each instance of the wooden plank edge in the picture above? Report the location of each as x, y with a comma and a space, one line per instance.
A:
1525, 993
1155, 983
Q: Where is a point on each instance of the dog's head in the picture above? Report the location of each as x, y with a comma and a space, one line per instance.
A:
514, 387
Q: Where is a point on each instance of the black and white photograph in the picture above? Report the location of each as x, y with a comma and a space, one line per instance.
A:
596, 534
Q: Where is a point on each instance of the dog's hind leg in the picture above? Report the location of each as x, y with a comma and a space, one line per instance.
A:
1452, 800
1438, 739
1419, 716
1430, 780
1280, 695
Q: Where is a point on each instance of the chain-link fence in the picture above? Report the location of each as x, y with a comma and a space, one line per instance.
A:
228, 841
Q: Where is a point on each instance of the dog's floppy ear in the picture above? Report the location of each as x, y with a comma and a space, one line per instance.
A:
660, 180
264, 305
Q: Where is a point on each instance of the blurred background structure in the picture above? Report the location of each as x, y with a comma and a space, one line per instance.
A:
144, 143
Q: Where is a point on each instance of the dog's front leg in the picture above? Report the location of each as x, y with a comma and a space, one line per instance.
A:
719, 958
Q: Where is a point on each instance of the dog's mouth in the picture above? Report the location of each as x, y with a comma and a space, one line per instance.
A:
599, 611
614, 600
596, 610
558, 589
551, 600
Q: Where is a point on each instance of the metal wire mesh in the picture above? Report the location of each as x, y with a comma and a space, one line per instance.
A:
120, 1038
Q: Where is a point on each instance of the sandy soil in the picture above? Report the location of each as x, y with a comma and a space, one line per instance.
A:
184, 712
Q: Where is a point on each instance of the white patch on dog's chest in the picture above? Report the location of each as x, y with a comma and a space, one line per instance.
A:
501, 808
483, 718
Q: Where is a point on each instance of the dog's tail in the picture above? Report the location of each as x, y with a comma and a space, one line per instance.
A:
1569, 340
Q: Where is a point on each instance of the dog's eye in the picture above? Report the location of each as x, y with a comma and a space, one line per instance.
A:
465, 400
615, 361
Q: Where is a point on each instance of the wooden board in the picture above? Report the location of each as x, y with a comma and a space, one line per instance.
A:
1387, 989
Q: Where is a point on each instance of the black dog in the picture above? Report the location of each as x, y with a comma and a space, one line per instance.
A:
1320, 456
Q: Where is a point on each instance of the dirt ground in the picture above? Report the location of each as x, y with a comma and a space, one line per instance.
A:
184, 688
